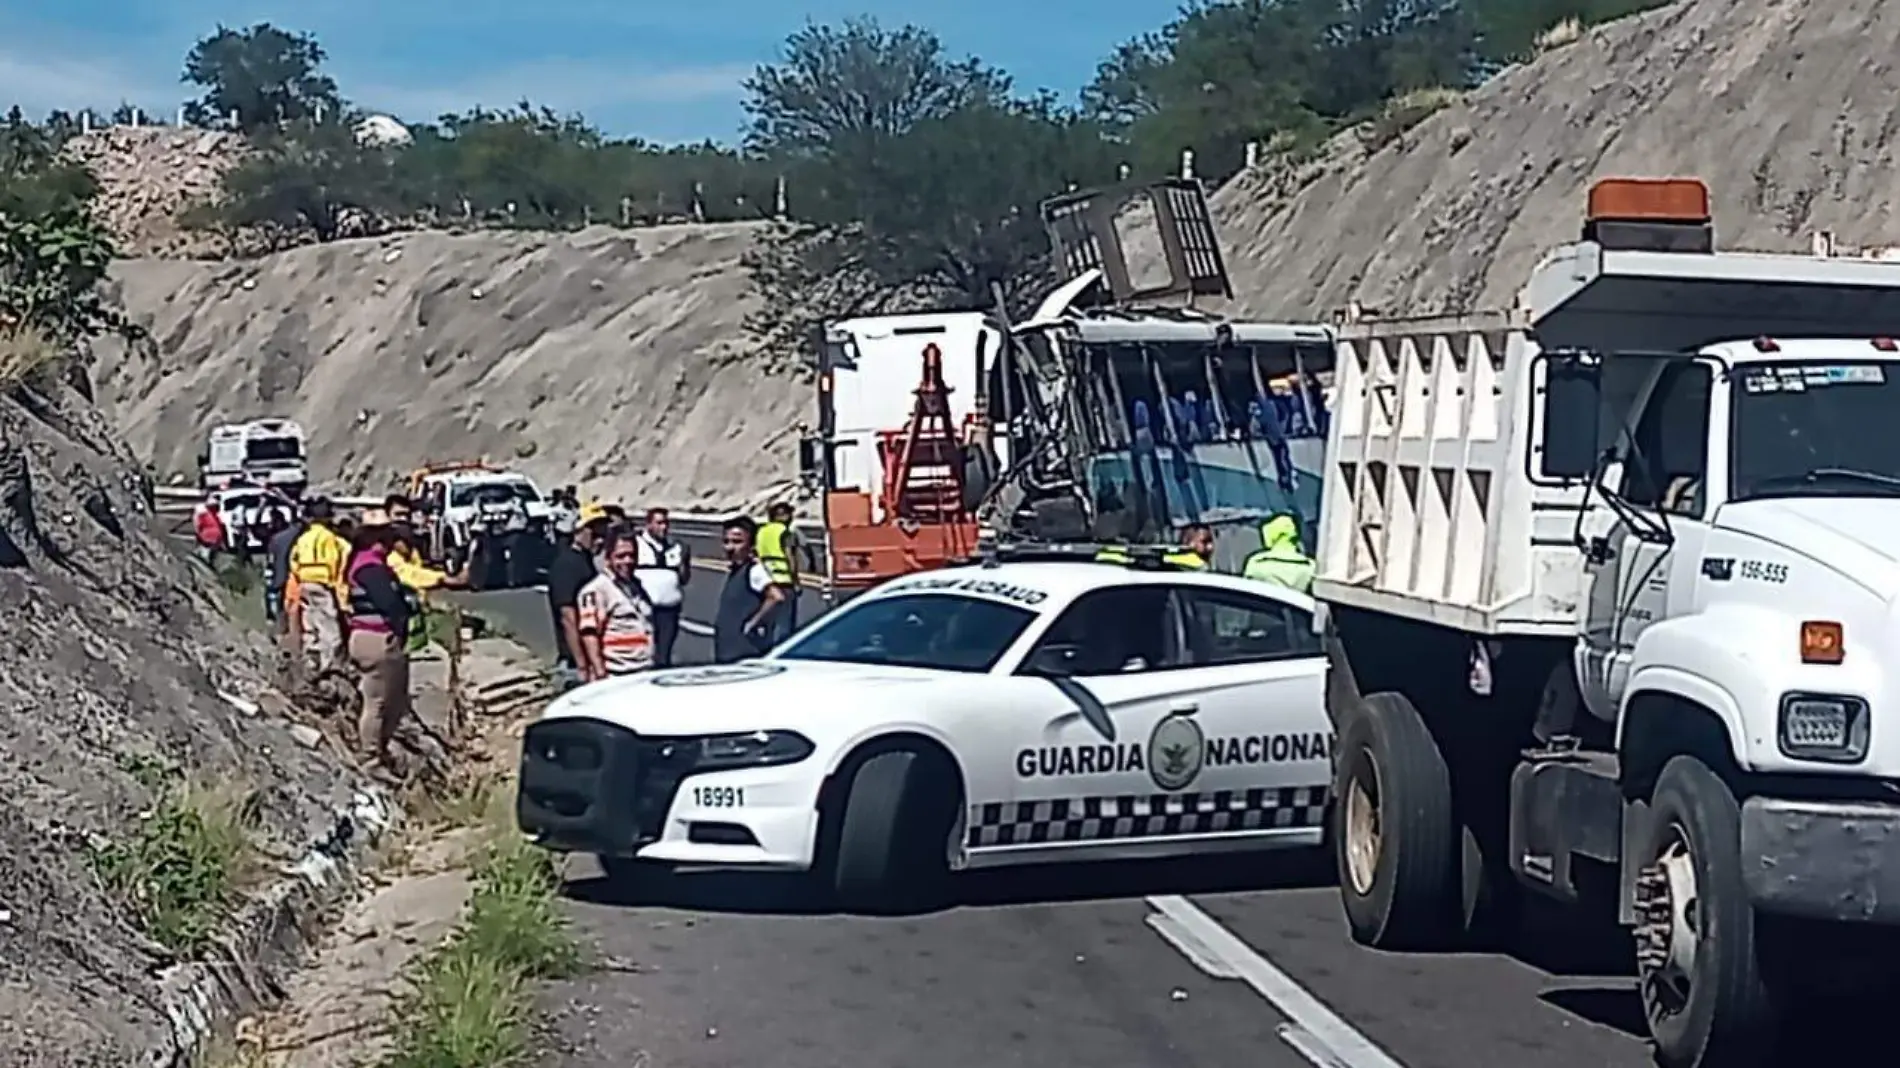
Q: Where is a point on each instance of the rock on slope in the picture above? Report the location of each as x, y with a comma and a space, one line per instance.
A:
112, 657
1789, 109
603, 357
148, 175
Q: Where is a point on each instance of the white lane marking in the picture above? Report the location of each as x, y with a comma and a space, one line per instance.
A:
692, 626
1200, 956
1314, 1031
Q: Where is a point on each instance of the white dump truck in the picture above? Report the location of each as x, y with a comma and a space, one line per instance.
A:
1610, 586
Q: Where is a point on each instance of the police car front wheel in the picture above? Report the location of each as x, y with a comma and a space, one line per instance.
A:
895, 815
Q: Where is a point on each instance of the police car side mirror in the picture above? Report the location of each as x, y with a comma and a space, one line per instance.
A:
1051, 662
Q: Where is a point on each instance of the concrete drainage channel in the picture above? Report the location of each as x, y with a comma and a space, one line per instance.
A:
269, 937
239, 1006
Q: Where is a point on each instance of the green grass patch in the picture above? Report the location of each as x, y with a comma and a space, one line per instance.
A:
180, 870
441, 626
243, 585
471, 1001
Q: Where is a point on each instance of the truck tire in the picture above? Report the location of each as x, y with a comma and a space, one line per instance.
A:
1398, 845
1726, 1017
886, 857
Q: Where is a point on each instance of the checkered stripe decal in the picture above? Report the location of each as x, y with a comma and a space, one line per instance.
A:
1093, 819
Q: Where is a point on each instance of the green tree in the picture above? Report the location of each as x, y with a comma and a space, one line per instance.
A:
35, 181
859, 78
914, 177
952, 205
262, 75
313, 179
526, 167
1508, 29
53, 253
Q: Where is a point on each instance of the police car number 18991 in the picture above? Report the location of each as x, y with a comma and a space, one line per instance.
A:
718, 797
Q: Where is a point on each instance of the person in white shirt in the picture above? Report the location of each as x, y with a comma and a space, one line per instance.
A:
663, 570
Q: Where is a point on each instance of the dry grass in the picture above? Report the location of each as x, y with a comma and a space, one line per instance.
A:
24, 354
1563, 33
1405, 111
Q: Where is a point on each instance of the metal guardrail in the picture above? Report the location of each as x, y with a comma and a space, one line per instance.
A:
183, 498
178, 501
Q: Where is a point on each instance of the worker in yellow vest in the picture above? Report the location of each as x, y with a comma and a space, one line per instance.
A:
1279, 558
317, 559
778, 548
1198, 551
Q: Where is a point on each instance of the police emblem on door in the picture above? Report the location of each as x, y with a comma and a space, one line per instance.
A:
1175, 752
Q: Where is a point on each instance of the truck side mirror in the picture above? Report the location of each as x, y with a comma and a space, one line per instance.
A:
1566, 400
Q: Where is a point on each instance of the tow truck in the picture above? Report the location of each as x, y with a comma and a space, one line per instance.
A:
896, 459
1117, 412
1611, 598
465, 498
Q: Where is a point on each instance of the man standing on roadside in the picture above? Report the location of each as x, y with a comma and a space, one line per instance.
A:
277, 573
317, 559
380, 615
616, 619
747, 600
270, 529
662, 570
573, 568
779, 551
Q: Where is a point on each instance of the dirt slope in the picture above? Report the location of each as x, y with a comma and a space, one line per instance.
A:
1790, 109
602, 357
112, 660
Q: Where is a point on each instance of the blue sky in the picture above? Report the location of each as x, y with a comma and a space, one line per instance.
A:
660, 69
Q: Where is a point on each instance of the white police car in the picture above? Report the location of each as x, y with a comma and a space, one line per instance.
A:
973, 717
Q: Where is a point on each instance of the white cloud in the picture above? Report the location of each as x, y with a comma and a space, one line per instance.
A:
589, 87
40, 83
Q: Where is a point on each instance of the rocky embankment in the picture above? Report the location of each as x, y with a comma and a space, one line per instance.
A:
126, 696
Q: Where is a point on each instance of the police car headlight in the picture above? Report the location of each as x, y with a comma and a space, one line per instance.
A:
754, 750
1827, 728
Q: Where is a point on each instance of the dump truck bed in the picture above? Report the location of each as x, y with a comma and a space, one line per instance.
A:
1429, 510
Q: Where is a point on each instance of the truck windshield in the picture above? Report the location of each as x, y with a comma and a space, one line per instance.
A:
269, 450
947, 632
1815, 430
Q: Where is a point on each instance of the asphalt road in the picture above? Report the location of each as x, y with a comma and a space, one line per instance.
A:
1209, 964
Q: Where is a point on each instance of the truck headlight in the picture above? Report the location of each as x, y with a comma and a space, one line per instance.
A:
756, 749
1828, 728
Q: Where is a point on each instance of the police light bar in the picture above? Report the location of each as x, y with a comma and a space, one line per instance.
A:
1142, 557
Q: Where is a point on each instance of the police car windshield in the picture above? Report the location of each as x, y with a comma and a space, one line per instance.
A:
942, 631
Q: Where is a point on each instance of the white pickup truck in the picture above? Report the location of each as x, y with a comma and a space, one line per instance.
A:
1611, 591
